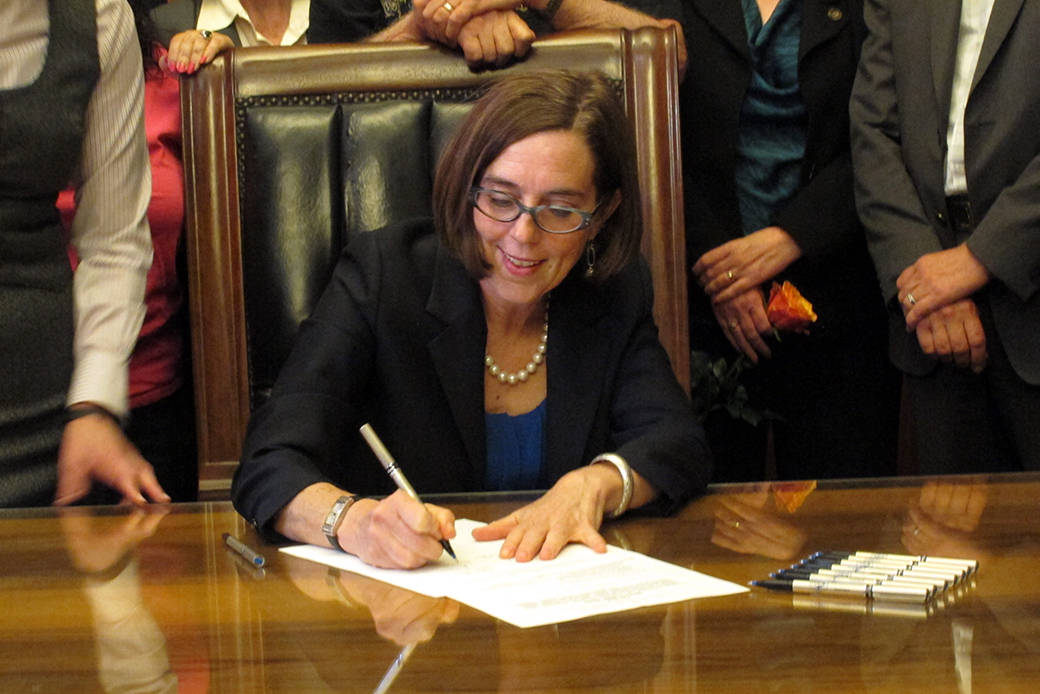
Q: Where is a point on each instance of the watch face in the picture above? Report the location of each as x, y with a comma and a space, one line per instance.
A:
335, 513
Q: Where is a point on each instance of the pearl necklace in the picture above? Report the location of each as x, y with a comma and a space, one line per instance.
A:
523, 374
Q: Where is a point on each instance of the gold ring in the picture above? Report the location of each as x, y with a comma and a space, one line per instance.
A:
736, 524
448, 7
733, 325
729, 274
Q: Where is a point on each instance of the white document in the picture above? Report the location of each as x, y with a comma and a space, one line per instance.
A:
577, 583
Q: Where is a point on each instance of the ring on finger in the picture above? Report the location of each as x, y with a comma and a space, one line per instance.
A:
910, 299
729, 275
448, 7
733, 325
206, 34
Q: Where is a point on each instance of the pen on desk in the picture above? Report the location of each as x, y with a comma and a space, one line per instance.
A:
957, 572
880, 590
244, 550
861, 578
395, 472
394, 669
970, 565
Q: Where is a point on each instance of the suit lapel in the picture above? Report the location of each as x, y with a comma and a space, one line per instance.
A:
457, 353
945, 27
726, 18
821, 20
1000, 22
576, 359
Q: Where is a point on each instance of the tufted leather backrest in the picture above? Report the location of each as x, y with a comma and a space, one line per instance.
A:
290, 150
310, 175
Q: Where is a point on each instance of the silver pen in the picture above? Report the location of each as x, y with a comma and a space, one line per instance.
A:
395, 472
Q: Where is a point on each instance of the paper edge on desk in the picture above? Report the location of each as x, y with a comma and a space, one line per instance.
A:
667, 583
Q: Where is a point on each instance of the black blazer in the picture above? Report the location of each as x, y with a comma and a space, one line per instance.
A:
181, 15
398, 340
835, 271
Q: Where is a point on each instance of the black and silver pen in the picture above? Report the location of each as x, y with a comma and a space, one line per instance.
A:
880, 590
395, 472
244, 550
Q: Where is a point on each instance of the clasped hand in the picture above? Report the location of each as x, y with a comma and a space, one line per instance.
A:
489, 32
934, 295
733, 273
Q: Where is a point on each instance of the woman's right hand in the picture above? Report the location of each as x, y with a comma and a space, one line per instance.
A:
396, 532
741, 264
189, 50
744, 321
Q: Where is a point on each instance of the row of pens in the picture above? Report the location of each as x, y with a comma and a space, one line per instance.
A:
872, 575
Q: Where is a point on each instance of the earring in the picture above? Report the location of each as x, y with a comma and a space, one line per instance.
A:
590, 259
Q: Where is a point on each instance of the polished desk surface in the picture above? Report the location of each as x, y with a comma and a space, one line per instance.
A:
109, 600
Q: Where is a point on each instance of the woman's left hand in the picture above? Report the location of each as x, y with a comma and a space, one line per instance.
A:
744, 321
190, 50
571, 511
736, 266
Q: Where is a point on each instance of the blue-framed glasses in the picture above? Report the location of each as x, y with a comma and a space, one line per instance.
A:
554, 219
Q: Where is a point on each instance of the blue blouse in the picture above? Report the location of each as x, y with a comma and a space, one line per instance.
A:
773, 118
515, 449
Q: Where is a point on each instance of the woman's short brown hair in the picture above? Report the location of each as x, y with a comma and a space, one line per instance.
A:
521, 105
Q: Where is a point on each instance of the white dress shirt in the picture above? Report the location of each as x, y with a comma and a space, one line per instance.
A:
219, 14
974, 20
113, 187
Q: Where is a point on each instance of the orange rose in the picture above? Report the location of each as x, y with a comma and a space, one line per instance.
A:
790, 495
788, 309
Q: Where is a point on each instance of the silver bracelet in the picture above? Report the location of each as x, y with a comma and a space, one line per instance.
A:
627, 481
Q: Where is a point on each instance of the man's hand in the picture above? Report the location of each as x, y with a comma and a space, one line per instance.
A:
954, 334
489, 32
937, 280
446, 26
495, 39
94, 449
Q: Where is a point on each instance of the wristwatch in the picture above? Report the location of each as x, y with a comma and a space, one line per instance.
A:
335, 517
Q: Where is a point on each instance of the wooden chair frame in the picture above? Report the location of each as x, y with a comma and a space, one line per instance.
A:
644, 60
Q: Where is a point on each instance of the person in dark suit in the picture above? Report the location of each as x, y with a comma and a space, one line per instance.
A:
947, 158
769, 197
508, 350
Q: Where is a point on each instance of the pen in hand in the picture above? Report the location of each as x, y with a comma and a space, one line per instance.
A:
395, 472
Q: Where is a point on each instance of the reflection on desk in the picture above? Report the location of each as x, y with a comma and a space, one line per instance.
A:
106, 600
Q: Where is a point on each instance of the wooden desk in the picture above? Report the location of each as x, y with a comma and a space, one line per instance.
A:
108, 600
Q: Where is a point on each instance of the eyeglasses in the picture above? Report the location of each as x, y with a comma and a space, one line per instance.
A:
554, 219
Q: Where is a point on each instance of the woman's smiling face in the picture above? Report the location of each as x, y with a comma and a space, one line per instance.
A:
548, 168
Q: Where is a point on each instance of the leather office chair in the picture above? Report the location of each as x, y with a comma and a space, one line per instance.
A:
287, 151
